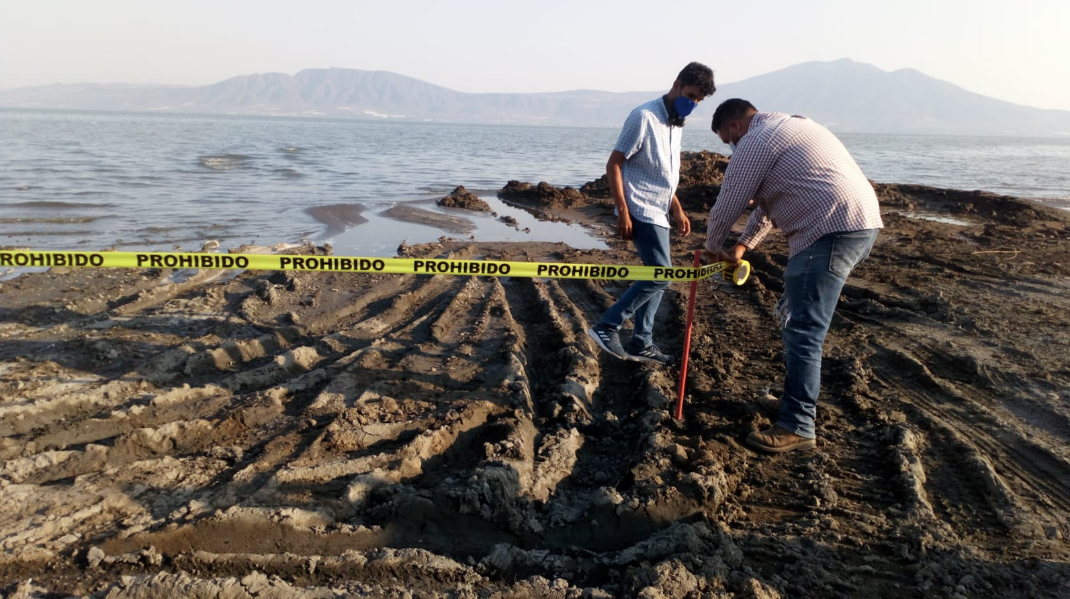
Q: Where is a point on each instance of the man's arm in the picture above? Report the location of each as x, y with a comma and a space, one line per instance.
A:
616, 189
758, 226
683, 223
628, 143
745, 174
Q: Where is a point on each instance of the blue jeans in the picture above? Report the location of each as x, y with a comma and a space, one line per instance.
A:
642, 299
812, 284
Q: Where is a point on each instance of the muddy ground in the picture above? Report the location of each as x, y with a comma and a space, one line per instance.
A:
201, 434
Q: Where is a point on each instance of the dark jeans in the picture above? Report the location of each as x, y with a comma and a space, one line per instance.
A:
812, 285
642, 299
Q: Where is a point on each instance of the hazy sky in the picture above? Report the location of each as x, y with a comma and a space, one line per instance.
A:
1015, 51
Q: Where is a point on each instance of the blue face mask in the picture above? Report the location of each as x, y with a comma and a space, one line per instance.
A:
732, 147
683, 106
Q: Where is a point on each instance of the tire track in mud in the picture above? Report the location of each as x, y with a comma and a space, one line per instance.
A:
730, 366
414, 343
432, 333
848, 492
436, 432
105, 434
566, 380
611, 394
633, 402
1002, 475
616, 396
927, 466
415, 354
543, 332
991, 453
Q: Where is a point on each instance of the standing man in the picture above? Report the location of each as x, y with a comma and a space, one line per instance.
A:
643, 173
804, 182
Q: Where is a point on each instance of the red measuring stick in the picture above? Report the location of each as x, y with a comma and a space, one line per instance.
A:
687, 341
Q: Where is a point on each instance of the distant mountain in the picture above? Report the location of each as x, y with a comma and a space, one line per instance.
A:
845, 95
850, 96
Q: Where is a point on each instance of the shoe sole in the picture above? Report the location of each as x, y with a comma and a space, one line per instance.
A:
806, 444
594, 335
636, 358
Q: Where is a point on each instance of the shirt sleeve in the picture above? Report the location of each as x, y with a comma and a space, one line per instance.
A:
631, 135
758, 226
746, 171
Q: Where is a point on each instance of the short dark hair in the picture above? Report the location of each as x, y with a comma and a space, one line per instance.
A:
698, 74
730, 110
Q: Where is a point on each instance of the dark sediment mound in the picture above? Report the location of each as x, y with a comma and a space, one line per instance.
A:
599, 188
1021, 238
702, 168
542, 195
1005, 209
464, 199
701, 174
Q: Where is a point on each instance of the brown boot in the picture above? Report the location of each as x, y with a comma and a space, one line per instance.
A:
770, 403
779, 440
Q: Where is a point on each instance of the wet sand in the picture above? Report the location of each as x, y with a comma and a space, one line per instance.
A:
328, 434
338, 217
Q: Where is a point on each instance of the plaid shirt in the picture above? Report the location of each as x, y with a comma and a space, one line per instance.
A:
651, 170
802, 180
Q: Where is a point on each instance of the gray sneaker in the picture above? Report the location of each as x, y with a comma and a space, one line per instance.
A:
650, 353
607, 339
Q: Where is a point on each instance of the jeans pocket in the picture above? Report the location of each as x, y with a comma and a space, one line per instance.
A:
849, 250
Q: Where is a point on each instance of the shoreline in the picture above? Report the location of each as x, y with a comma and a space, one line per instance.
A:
239, 190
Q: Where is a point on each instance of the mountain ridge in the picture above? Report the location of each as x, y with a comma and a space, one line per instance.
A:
845, 95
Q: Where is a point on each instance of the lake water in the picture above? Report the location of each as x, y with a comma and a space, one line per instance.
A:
79, 180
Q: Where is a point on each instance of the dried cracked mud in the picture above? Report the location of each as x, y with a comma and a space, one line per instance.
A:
260, 434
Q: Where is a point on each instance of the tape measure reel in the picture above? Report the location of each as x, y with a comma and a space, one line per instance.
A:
739, 274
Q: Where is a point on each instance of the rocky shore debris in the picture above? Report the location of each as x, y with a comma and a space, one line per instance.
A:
701, 174
465, 200
541, 196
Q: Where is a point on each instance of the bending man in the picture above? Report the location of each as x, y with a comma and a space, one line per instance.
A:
804, 182
643, 173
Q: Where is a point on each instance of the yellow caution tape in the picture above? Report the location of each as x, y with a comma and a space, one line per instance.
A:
417, 266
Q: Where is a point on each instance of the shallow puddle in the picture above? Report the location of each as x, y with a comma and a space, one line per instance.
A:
382, 234
947, 220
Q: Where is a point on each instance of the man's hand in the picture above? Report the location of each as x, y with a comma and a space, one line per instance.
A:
624, 225
732, 257
709, 257
683, 224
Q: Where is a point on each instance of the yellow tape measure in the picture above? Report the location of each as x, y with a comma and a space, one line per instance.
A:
416, 266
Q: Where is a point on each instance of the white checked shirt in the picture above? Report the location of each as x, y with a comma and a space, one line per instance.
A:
651, 170
803, 181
